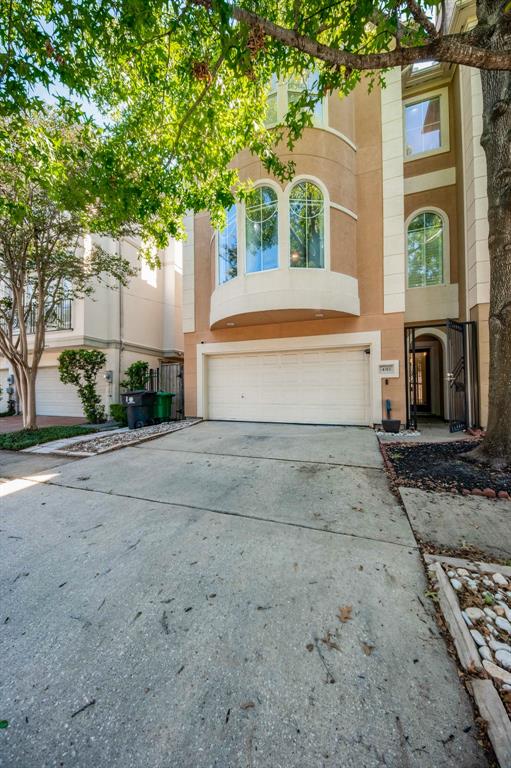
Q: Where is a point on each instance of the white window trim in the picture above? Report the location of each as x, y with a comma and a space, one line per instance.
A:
283, 227
242, 232
326, 213
444, 123
446, 242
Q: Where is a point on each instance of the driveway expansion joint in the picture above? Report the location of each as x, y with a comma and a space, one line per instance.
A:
263, 458
231, 514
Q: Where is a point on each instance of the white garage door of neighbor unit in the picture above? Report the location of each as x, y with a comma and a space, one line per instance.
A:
323, 386
4, 397
54, 398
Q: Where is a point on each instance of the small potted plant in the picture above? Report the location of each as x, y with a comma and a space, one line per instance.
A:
388, 424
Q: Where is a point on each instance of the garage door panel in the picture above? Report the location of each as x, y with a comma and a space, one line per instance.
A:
53, 398
328, 386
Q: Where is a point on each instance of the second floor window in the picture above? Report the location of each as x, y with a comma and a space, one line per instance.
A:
426, 125
295, 88
306, 226
228, 248
261, 230
425, 250
283, 93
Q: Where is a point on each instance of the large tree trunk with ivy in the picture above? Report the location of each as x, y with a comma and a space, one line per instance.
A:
496, 141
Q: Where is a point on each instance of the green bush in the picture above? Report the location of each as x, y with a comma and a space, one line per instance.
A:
119, 413
80, 367
137, 375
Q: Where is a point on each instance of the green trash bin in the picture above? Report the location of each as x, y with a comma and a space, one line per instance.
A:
163, 406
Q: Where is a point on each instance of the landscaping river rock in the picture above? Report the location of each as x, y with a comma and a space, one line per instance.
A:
106, 442
485, 602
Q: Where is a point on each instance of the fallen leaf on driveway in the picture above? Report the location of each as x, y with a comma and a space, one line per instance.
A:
248, 705
368, 649
344, 614
330, 642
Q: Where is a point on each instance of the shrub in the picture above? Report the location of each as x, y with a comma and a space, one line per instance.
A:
137, 375
119, 413
80, 367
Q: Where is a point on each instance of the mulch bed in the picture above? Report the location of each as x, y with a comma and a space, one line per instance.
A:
441, 467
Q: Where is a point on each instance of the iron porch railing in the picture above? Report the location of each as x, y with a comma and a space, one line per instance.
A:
60, 319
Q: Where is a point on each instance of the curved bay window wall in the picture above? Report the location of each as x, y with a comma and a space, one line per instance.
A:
261, 230
306, 226
425, 240
251, 240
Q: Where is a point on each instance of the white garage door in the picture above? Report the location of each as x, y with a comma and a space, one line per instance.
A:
327, 386
54, 398
3, 386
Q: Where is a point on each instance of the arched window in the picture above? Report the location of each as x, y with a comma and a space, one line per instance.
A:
306, 226
261, 228
425, 250
228, 248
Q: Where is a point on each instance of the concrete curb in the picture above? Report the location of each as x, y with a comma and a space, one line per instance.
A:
143, 439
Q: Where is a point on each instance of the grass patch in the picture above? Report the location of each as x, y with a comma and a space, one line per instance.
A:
26, 438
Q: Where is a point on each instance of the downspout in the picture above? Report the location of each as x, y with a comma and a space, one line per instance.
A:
121, 329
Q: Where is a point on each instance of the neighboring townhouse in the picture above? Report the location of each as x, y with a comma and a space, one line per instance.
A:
141, 321
364, 279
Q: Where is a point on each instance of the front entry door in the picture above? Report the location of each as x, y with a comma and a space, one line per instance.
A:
423, 376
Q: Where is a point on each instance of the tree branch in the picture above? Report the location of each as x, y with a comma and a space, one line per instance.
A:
421, 19
454, 49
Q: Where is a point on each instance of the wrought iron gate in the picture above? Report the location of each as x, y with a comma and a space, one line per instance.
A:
457, 375
461, 374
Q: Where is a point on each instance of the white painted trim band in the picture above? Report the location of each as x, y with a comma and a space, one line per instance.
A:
434, 180
344, 210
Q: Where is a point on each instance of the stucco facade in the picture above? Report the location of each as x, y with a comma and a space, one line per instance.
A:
374, 189
141, 321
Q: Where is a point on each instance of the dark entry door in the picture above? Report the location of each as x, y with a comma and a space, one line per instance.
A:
457, 375
423, 377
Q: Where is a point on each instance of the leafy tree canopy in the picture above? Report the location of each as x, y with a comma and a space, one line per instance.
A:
176, 89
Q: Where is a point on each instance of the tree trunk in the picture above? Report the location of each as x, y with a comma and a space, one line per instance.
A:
25, 386
496, 141
29, 410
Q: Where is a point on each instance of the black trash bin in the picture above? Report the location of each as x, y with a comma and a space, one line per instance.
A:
140, 408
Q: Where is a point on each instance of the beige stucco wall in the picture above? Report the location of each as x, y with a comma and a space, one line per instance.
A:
353, 180
151, 325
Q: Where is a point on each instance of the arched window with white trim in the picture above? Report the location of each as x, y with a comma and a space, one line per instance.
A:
228, 248
261, 230
306, 226
425, 250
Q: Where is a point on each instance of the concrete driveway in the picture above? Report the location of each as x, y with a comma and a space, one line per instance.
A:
228, 596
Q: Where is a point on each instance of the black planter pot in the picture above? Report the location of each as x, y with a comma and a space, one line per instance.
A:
391, 425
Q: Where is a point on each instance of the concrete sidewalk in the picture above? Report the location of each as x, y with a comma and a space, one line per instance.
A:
230, 596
